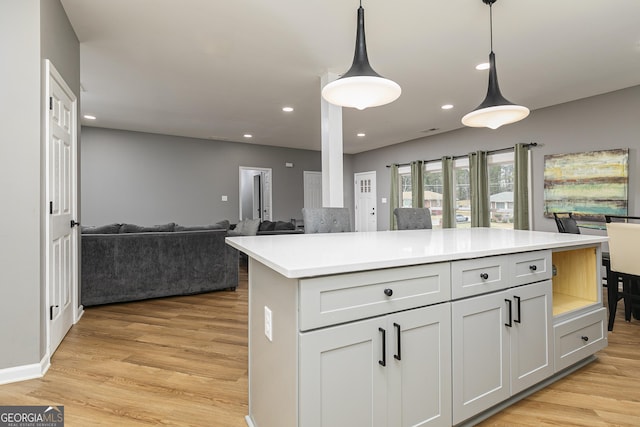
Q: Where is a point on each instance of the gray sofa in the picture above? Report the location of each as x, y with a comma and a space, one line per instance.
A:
129, 266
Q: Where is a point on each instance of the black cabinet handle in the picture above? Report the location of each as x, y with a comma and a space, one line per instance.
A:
509, 324
388, 292
584, 338
383, 362
518, 309
484, 276
398, 356
533, 267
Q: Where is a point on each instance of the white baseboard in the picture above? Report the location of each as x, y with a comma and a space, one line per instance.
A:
25, 372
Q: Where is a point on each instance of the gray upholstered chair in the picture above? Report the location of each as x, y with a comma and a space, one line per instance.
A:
326, 220
413, 218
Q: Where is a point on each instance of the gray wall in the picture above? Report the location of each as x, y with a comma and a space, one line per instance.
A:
22, 29
601, 122
150, 179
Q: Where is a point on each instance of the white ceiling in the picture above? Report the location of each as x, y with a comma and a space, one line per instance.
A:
218, 69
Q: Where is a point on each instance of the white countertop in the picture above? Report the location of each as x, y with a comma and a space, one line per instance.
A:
307, 255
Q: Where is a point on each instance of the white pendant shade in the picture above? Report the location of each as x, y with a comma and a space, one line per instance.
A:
361, 92
496, 116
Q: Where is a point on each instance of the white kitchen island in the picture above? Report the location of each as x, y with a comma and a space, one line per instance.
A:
415, 328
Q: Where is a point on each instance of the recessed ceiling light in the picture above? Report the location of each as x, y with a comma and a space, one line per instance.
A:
447, 107
361, 134
287, 109
248, 135
483, 66
89, 117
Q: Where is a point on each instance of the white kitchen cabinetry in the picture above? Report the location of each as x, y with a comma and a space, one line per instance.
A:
501, 345
477, 319
391, 371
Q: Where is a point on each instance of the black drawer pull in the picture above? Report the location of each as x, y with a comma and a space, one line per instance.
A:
388, 292
533, 267
484, 276
585, 338
383, 362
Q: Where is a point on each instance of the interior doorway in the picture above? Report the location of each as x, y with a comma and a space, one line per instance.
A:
365, 201
255, 193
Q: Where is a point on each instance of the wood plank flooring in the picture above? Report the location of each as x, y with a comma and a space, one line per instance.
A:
182, 361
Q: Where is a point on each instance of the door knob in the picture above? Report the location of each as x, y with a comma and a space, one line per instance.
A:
74, 223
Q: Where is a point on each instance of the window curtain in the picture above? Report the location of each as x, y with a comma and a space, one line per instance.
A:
394, 198
417, 184
480, 214
521, 188
448, 192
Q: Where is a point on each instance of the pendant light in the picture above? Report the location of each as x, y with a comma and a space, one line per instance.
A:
361, 87
495, 110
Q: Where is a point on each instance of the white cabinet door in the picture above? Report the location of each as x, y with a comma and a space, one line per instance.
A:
530, 335
342, 381
480, 354
419, 363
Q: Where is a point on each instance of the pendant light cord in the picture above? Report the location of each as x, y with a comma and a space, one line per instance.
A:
490, 24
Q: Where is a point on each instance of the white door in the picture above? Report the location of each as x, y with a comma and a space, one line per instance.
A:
266, 195
365, 200
312, 182
62, 239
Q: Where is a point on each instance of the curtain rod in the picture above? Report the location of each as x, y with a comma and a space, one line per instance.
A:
500, 150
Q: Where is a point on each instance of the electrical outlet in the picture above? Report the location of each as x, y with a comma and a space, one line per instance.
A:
268, 323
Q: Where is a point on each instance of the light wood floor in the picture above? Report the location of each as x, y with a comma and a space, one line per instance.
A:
183, 362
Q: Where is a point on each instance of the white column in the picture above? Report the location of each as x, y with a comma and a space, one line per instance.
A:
331, 129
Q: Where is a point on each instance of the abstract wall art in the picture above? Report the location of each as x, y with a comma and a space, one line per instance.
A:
590, 185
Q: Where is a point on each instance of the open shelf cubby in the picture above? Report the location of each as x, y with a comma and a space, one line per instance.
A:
575, 279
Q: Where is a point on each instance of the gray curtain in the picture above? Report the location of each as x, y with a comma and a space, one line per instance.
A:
480, 215
448, 194
417, 184
521, 188
394, 199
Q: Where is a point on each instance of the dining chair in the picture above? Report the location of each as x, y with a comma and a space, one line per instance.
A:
413, 218
326, 220
624, 235
566, 223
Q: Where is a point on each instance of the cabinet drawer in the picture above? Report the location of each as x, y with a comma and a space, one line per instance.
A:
346, 297
578, 338
478, 276
529, 267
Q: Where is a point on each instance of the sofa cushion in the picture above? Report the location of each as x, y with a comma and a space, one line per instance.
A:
246, 227
220, 225
267, 226
132, 228
284, 225
100, 229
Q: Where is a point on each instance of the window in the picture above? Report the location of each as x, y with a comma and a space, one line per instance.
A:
433, 189
501, 168
462, 193
404, 173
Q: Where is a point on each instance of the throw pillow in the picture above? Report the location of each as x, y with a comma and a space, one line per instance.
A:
132, 228
246, 227
100, 229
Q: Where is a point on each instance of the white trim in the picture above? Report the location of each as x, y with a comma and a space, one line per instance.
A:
25, 372
269, 171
